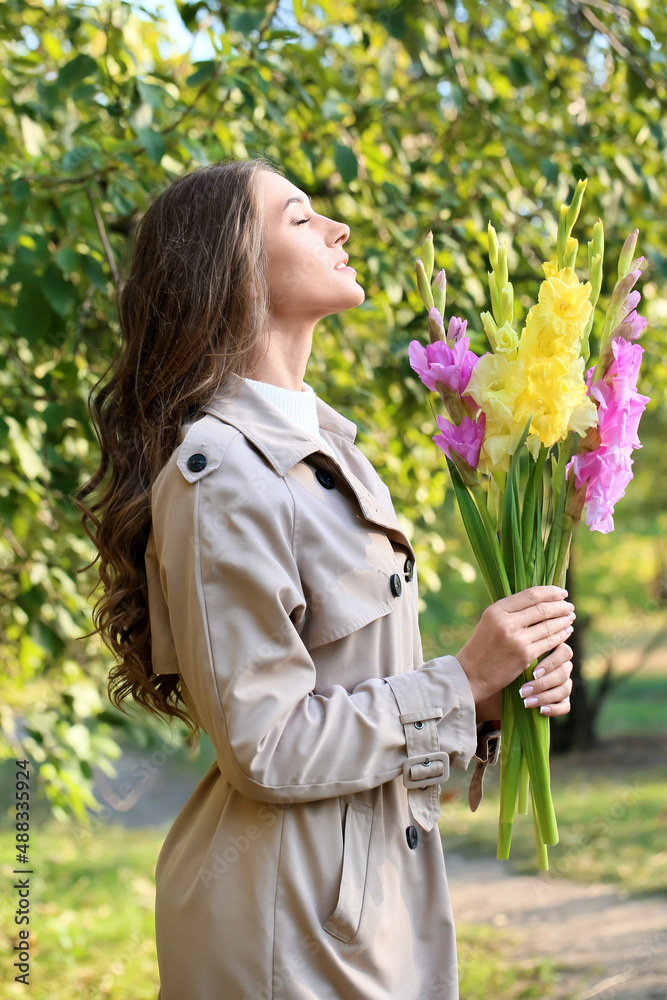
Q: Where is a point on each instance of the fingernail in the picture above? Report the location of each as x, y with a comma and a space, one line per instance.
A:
526, 690
530, 702
545, 710
564, 592
538, 671
572, 616
568, 630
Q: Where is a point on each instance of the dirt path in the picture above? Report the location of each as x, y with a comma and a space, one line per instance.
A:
613, 947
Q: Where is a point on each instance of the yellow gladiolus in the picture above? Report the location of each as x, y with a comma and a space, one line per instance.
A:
541, 374
507, 339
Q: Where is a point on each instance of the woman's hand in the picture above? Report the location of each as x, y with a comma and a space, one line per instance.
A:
512, 633
551, 688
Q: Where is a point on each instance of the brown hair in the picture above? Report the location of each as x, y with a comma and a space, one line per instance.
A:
192, 306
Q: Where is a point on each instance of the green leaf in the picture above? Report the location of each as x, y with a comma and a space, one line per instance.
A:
153, 142
245, 21
67, 259
151, 94
33, 316
21, 190
76, 70
204, 71
59, 292
477, 535
346, 162
92, 269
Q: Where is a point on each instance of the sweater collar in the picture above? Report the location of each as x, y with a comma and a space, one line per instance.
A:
280, 441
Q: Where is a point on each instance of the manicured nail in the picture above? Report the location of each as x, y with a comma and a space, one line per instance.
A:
530, 702
538, 671
526, 690
563, 591
568, 630
545, 710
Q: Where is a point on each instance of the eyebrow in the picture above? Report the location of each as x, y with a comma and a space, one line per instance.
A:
296, 198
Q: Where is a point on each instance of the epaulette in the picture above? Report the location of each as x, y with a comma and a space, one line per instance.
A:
203, 447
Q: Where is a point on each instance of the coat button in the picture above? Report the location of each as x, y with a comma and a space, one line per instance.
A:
408, 568
412, 837
196, 463
395, 584
324, 477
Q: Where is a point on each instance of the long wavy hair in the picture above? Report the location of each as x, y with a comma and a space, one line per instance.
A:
193, 307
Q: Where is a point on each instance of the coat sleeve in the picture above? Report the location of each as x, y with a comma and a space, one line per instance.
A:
231, 584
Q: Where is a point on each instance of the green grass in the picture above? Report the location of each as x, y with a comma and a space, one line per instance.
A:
485, 970
92, 923
92, 928
611, 827
638, 706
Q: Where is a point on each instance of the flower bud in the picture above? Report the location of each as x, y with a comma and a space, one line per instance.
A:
571, 248
439, 290
490, 328
627, 253
436, 327
507, 302
428, 256
507, 339
575, 205
501, 270
493, 247
424, 285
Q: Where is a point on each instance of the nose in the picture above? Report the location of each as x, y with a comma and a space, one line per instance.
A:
343, 231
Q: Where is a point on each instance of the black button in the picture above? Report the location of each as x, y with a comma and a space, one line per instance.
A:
408, 568
412, 837
395, 583
324, 477
196, 463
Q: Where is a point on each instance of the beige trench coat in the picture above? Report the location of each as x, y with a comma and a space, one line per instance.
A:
307, 863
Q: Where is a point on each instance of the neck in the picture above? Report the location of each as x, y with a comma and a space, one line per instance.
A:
285, 359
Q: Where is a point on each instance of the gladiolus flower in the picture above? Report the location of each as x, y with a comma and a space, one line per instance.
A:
456, 329
465, 439
607, 470
438, 362
636, 324
506, 339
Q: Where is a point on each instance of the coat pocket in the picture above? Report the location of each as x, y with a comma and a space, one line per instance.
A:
344, 921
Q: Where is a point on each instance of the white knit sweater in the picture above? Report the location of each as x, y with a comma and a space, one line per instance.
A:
298, 405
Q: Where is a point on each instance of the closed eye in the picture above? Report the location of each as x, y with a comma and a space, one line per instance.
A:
299, 221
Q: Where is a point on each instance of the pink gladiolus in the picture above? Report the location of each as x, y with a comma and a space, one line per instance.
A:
435, 315
636, 324
630, 304
465, 440
607, 470
456, 329
439, 362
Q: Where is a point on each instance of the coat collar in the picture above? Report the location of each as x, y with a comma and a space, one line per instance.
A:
280, 441
283, 444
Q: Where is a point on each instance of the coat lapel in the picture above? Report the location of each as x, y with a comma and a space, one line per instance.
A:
283, 444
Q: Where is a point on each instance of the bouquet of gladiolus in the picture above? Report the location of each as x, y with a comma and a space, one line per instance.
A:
531, 439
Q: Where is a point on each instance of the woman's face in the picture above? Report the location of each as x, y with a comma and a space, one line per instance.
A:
303, 250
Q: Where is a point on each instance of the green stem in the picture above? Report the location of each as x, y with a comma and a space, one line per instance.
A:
538, 765
542, 852
490, 528
510, 766
524, 784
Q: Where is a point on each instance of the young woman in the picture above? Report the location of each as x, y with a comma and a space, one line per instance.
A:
258, 585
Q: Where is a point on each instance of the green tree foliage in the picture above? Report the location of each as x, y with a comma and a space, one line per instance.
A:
397, 117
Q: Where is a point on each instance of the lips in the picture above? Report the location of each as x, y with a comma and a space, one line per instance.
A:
343, 260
